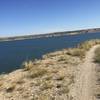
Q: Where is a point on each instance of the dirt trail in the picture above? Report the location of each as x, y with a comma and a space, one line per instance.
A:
85, 80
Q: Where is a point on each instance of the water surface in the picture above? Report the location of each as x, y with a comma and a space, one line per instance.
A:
13, 53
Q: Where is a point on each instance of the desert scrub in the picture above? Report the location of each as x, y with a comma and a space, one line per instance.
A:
48, 77
37, 72
61, 59
65, 90
76, 52
88, 44
46, 96
97, 55
1, 83
11, 87
46, 85
27, 65
20, 81
58, 77
72, 79
82, 48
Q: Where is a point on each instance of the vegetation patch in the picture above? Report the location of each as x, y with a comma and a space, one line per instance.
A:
37, 72
97, 55
10, 88
76, 52
82, 48
27, 65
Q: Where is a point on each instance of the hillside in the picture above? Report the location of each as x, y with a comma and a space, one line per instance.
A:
60, 75
51, 34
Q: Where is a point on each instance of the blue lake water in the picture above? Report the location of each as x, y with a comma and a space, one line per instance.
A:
13, 53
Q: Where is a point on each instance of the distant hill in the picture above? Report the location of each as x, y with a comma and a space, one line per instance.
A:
51, 34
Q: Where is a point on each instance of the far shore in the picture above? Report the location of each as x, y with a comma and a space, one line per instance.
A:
94, 30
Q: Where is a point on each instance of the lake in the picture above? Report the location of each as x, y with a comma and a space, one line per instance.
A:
13, 53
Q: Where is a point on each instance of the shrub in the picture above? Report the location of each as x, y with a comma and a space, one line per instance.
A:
27, 65
46, 85
83, 48
36, 72
76, 52
10, 88
97, 55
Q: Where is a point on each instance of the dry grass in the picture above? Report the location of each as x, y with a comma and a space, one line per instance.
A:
46, 85
11, 87
1, 83
82, 48
37, 72
76, 52
88, 44
28, 65
97, 55
45, 97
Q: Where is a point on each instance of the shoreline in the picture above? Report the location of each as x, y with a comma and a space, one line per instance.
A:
47, 35
54, 76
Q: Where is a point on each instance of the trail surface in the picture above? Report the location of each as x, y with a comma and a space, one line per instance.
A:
85, 80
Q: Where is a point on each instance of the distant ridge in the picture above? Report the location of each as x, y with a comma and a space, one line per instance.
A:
84, 31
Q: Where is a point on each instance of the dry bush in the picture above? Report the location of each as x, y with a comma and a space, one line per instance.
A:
46, 96
28, 65
46, 85
76, 52
82, 48
37, 72
97, 55
88, 44
11, 87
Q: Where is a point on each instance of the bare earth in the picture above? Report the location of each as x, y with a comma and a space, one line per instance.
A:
86, 78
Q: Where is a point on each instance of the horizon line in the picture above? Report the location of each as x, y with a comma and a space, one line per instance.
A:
43, 33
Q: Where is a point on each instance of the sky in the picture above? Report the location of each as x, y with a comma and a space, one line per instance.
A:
24, 17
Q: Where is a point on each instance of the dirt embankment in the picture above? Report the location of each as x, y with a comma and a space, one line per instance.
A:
84, 88
58, 76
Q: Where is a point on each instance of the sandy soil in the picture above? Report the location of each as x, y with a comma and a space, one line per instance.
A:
85, 79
